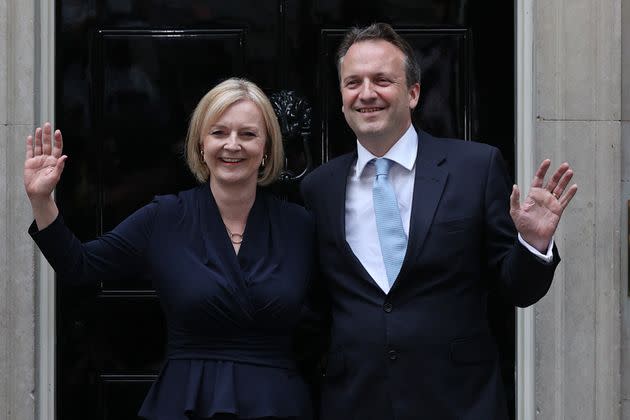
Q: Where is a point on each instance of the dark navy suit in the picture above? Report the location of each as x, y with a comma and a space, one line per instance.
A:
425, 350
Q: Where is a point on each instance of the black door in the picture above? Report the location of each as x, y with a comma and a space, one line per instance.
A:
129, 73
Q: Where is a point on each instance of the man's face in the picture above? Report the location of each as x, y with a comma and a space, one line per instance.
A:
375, 96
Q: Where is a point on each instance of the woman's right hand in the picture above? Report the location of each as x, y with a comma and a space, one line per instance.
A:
44, 163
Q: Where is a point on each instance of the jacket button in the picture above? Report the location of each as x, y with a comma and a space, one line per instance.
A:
392, 355
387, 307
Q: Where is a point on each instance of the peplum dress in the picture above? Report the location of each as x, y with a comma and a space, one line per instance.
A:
230, 317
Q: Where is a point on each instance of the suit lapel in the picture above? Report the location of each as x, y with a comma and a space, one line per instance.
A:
337, 187
431, 176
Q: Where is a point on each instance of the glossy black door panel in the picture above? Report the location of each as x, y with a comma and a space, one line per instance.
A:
112, 335
120, 395
128, 75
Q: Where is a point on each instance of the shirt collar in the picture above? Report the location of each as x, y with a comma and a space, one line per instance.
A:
403, 152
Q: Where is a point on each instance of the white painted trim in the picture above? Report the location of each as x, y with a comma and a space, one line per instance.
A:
44, 274
525, 365
525, 322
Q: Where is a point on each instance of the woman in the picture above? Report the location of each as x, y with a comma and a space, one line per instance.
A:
230, 263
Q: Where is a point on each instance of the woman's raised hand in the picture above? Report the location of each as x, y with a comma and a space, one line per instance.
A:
44, 162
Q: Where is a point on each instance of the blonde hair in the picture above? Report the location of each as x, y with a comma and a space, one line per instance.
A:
209, 110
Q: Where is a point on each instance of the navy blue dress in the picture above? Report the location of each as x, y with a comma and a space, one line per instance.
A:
230, 317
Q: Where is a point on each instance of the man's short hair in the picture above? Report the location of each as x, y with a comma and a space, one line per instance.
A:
381, 31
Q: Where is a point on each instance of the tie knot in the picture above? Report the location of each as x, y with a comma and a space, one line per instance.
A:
382, 166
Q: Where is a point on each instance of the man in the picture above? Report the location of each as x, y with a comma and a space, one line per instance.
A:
408, 281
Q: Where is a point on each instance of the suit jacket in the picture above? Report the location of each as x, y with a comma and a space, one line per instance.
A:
425, 350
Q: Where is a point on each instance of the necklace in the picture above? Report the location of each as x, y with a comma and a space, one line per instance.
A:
235, 238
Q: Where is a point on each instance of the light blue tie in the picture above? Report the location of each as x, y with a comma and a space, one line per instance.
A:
388, 222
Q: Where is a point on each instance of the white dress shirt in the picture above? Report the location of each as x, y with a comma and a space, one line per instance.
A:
361, 233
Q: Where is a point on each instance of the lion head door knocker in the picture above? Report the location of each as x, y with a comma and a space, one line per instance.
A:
294, 116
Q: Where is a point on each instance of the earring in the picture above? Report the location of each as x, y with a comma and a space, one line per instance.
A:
262, 164
201, 152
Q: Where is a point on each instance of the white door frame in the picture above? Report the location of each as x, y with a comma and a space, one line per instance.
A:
44, 276
525, 322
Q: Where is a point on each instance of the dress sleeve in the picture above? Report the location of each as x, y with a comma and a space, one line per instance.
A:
120, 252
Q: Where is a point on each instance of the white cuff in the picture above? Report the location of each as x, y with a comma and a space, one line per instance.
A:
546, 258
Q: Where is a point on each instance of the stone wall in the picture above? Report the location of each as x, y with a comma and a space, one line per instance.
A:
625, 196
17, 255
578, 110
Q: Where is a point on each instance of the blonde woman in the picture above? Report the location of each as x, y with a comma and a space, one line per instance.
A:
230, 263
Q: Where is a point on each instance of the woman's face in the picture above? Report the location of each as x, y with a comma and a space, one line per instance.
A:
233, 147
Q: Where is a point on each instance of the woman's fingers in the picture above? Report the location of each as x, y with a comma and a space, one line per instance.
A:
57, 144
61, 163
37, 149
29, 147
45, 142
46, 139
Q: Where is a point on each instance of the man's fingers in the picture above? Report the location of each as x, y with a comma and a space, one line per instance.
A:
558, 190
566, 198
515, 198
556, 177
539, 177
57, 144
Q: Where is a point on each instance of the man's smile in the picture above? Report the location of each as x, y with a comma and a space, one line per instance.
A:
369, 110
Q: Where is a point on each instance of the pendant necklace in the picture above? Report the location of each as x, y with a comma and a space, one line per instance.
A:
235, 238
